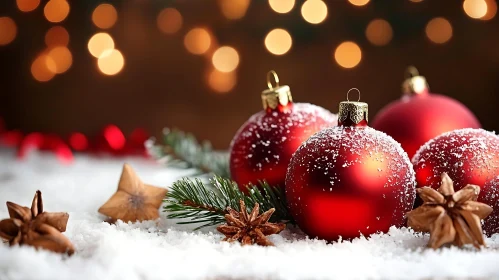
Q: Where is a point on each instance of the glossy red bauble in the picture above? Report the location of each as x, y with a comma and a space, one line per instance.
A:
347, 181
263, 146
469, 156
419, 116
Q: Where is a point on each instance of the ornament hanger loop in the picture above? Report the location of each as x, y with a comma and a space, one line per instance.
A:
358, 99
411, 71
269, 80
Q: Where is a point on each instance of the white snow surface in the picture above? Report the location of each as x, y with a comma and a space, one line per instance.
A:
164, 250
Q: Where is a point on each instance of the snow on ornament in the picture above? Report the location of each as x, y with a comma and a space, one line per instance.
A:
263, 146
468, 156
349, 180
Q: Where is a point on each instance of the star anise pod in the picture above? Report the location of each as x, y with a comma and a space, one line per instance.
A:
450, 217
36, 228
249, 228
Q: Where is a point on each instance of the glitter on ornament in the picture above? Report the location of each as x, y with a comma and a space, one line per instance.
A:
263, 146
349, 180
468, 156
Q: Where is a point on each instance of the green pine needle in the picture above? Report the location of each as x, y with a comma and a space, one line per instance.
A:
181, 149
207, 203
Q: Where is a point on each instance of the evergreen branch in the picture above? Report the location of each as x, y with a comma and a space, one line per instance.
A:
207, 204
183, 150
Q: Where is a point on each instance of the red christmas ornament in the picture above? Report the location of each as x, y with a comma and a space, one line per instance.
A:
420, 115
32, 141
114, 137
56, 145
49, 142
263, 146
78, 141
12, 138
469, 156
350, 179
135, 144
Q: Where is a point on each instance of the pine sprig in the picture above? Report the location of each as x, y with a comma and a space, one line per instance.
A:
183, 150
207, 203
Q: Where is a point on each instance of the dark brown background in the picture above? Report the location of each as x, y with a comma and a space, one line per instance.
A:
164, 85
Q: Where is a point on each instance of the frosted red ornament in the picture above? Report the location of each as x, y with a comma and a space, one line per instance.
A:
349, 180
469, 156
420, 115
263, 146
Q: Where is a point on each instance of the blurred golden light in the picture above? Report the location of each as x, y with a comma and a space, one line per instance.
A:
104, 16
225, 59
169, 20
27, 5
111, 62
416, 1
314, 11
62, 58
57, 36
379, 32
8, 30
99, 43
234, 9
197, 41
282, 6
358, 2
222, 82
439, 30
475, 8
56, 10
41, 68
491, 10
348, 54
278, 41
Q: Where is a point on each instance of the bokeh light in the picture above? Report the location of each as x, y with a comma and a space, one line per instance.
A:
278, 41
197, 41
379, 32
27, 5
62, 58
491, 10
416, 1
111, 62
314, 11
104, 16
169, 20
225, 59
222, 82
99, 43
234, 9
56, 10
282, 6
41, 68
8, 30
358, 2
475, 8
114, 137
78, 141
57, 36
439, 30
348, 54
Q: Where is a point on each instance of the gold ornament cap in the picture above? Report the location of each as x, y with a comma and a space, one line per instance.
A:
275, 95
414, 83
353, 113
